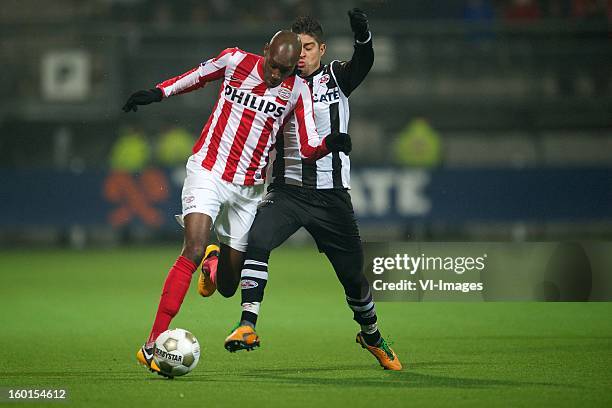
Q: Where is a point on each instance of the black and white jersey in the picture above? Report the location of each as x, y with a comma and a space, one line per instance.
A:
331, 86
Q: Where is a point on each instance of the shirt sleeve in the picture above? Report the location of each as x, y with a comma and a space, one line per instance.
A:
207, 71
311, 146
349, 74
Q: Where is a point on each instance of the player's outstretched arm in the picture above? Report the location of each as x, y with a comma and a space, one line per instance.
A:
143, 97
207, 71
350, 74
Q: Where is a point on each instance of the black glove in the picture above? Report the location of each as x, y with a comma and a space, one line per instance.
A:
359, 24
339, 142
144, 97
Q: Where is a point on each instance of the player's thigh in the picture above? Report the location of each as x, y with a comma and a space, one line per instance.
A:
276, 220
196, 234
237, 215
201, 203
334, 225
201, 192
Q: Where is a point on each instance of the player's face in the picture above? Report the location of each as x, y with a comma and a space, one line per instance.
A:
275, 69
310, 57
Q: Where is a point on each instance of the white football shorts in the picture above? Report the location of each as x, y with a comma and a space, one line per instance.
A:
232, 207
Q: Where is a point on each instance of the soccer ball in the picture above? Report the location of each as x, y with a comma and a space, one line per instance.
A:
177, 352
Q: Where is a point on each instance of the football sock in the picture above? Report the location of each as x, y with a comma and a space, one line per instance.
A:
364, 313
372, 339
253, 279
173, 293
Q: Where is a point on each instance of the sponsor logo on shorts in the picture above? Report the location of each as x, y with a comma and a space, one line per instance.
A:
188, 199
248, 284
263, 203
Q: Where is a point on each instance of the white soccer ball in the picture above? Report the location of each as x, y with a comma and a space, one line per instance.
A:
177, 352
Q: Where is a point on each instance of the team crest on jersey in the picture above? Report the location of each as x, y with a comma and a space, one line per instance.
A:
324, 79
284, 94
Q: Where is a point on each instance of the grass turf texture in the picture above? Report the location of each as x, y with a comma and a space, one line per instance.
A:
74, 320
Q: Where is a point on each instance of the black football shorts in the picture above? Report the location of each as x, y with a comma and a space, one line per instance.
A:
326, 214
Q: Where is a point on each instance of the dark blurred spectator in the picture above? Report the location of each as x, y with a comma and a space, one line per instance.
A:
597, 15
222, 9
302, 8
162, 15
596, 11
478, 11
200, 12
522, 10
481, 14
556, 9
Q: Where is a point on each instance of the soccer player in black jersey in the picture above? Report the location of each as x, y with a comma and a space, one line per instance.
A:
314, 195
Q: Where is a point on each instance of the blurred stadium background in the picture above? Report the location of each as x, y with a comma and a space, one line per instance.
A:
481, 119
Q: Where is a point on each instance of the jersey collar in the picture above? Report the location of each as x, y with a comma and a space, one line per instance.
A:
315, 72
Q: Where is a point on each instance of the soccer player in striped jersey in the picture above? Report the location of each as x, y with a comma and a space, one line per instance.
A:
314, 195
226, 172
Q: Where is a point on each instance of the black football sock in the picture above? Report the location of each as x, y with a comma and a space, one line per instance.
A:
253, 279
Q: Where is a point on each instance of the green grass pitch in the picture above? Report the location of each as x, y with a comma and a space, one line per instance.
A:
74, 320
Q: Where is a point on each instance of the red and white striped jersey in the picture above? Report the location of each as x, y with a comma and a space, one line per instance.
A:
235, 141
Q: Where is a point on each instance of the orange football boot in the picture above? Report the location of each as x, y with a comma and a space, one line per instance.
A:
145, 357
242, 338
206, 287
383, 353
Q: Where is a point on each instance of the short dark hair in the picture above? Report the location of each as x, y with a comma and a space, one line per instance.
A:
308, 25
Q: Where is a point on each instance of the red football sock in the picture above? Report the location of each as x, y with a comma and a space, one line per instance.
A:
211, 264
175, 288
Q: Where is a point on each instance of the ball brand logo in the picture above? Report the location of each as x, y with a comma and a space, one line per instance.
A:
324, 79
248, 284
168, 356
253, 101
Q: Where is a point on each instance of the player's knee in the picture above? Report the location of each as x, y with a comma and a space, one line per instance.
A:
261, 240
257, 253
356, 287
228, 280
194, 250
227, 290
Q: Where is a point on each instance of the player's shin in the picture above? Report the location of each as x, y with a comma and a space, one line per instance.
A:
349, 269
173, 293
253, 279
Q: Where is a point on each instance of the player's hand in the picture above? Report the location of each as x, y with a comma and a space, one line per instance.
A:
359, 24
339, 142
144, 97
